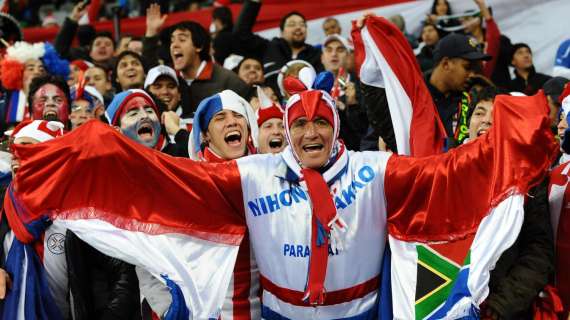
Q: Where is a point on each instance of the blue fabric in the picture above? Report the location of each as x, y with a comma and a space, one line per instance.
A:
563, 55
385, 301
269, 314
178, 309
459, 291
86, 96
324, 81
39, 303
13, 101
53, 63
204, 114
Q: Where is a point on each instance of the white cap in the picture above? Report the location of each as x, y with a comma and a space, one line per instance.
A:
158, 71
232, 61
337, 37
40, 130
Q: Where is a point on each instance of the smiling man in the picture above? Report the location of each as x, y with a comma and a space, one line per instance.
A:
162, 82
49, 99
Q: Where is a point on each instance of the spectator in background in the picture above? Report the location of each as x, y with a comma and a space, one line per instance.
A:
553, 89
399, 21
86, 104
250, 70
135, 45
429, 38
271, 137
275, 53
102, 48
162, 82
524, 269
440, 9
331, 26
221, 30
526, 79
49, 99
122, 45
98, 77
76, 67
492, 42
562, 60
129, 72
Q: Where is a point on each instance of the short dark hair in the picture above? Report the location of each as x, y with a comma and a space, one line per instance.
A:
200, 37
285, 17
517, 46
224, 14
486, 94
236, 69
448, 12
102, 34
119, 58
40, 81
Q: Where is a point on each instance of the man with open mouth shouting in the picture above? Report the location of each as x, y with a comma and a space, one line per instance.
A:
136, 115
49, 98
270, 122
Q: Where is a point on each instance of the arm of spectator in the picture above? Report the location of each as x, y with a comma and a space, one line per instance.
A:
493, 47
246, 40
151, 40
375, 103
64, 38
535, 262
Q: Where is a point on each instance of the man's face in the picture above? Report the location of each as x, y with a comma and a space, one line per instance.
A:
331, 26
33, 68
182, 50
481, 120
251, 71
458, 72
102, 49
334, 56
441, 8
295, 31
471, 24
271, 137
522, 59
140, 122
135, 46
97, 78
562, 126
80, 113
15, 162
49, 103
429, 35
227, 135
130, 73
312, 141
167, 91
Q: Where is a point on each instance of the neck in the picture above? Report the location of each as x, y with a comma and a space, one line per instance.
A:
192, 70
436, 80
523, 73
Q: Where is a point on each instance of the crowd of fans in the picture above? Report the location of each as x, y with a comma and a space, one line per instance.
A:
161, 90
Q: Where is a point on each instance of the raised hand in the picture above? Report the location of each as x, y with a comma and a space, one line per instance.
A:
154, 20
78, 11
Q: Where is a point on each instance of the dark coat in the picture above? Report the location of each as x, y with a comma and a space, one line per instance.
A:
531, 85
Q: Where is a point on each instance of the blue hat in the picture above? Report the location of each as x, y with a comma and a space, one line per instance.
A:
120, 100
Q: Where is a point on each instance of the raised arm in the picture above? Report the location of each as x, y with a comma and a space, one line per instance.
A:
247, 42
64, 38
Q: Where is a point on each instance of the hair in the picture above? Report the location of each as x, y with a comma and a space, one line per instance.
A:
448, 12
224, 14
40, 81
236, 69
486, 94
429, 24
517, 46
119, 58
102, 34
330, 19
285, 17
200, 37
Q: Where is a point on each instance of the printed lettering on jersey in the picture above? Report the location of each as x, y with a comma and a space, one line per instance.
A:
302, 251
286, 198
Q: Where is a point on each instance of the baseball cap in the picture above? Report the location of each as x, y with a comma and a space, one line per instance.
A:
456, 45
554, 87
158, 71
339, 38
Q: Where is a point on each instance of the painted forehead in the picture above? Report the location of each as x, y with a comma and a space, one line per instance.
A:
49, 90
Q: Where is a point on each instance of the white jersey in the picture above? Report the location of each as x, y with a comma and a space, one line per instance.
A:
278, 215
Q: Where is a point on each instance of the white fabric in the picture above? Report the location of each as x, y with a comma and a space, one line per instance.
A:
281, 237
55, 264
189, 262
34, 131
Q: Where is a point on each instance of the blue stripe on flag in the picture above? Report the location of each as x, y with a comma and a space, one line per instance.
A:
178, 309
459, 291
13, 107
269, 314
385, 300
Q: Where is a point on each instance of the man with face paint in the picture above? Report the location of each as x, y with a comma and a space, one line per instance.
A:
136, 115
49, 99
87, 103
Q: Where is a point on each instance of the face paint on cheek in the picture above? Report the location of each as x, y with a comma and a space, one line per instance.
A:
46, 96
132, 131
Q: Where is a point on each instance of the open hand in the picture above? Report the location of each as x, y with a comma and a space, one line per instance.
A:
78, 11
154, 20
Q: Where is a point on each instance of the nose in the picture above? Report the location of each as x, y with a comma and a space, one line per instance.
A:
310, 130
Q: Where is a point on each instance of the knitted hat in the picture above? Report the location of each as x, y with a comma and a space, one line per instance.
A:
268, 108
225, 100
120, 100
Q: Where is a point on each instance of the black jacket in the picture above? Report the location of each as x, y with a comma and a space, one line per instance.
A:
273, 53
530, 86
375, 103
425, 58
524, 269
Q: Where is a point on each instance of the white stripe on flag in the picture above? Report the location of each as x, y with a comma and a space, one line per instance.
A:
202, 269
376, 72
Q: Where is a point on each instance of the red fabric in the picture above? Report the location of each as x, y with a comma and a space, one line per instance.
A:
513, 156
565, 93
11, 72
493, 39
15, 221
93, 10
271, 13
549, 306
427, 132
333, 297
242, 282
324, 212
206, 73
293, 85
310, 105
199, 199
265, 114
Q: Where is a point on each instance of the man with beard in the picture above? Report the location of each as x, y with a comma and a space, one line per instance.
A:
49, 99
136, 115
270, 122
278, 51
